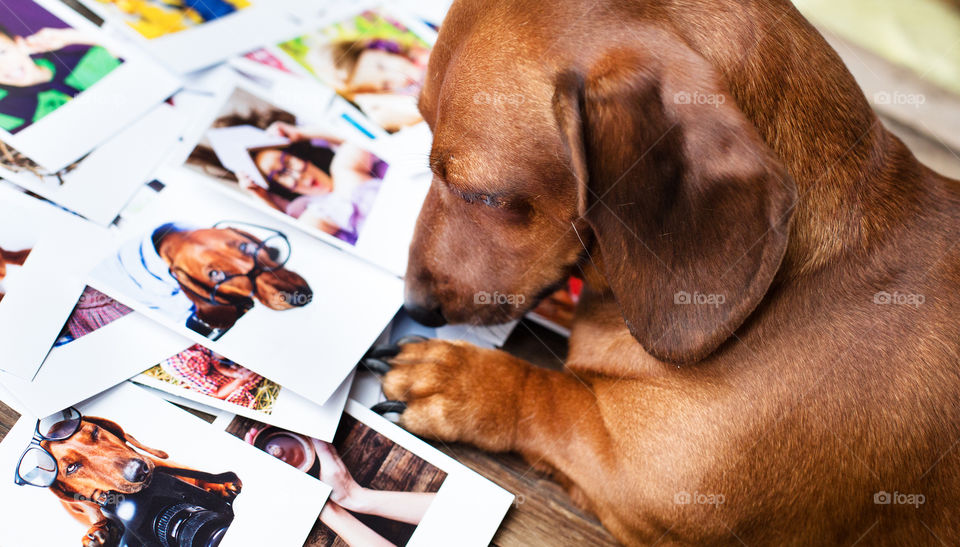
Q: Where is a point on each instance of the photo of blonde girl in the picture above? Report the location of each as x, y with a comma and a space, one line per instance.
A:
373, 61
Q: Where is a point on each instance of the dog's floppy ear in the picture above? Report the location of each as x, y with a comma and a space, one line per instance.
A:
115, 428
63, 495
688, 206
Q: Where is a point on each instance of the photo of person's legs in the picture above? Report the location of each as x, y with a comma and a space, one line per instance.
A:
406, 507
380, 490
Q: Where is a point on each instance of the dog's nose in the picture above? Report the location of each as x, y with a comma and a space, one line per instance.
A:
428, 317
136, 471
304, 296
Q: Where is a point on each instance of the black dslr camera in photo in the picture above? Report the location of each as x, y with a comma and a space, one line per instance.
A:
172, 513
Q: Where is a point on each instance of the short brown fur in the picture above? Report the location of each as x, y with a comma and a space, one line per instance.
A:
827, 376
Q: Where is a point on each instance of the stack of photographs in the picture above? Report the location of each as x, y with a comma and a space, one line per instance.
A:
208, 205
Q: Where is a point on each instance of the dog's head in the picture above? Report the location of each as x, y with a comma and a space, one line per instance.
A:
626, 150
223, 269
99, 458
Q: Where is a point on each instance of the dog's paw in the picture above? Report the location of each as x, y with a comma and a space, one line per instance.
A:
98, 536
229, 488
232, 489
456, 392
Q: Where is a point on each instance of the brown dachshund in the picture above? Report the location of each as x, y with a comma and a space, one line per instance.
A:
767, 348
100, 458
222, 271
11, 258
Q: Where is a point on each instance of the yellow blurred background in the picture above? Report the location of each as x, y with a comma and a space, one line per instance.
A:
922, 35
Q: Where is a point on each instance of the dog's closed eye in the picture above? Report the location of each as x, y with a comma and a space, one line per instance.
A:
95, 434
507, 207
439, 166
490, 200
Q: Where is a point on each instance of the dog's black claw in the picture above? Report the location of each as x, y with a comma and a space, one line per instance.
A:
386, 407
384, 351
412, 339
376, 366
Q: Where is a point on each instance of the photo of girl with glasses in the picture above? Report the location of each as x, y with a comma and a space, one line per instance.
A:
43, 64
316, 176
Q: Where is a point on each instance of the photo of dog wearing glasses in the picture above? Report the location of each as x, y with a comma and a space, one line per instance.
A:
126, 492
209, 277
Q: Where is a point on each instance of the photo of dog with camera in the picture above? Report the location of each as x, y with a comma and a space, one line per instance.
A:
127, 469
126, 492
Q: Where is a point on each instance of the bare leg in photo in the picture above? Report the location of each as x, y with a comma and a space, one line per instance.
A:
349, 528
408, 507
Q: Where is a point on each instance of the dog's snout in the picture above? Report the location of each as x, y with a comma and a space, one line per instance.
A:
417, 298
304, 296
426, 315
136, 471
